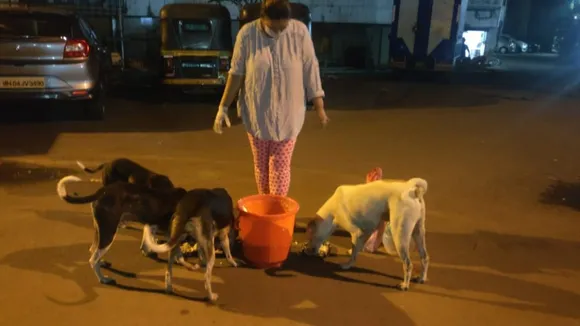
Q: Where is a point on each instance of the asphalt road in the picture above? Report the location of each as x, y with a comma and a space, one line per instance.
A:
544, 62
502, 206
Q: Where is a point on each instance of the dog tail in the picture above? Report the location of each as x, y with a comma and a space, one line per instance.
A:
152, 245
417, 188
150, 242
62, 193
177, 230
89, 170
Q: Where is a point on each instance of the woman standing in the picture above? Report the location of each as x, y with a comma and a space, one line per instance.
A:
274, 68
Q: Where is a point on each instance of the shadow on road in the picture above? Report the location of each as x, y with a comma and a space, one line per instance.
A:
563, 194
444, 90
358, 93
17, 173
145, 110
505, 253
307, 291
32, 128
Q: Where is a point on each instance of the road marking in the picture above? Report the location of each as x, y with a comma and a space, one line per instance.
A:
306, 304
486, 297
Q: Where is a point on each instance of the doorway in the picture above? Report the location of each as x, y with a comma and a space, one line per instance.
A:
475, 41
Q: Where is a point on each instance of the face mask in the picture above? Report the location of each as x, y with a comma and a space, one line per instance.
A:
271, 32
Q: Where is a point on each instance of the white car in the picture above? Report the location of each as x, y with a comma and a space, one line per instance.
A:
506, 45
521, 46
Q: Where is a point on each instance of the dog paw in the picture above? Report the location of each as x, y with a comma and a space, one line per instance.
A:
108, 281
149, 254
169, 289
213, 297
346, 266
190, 267
402, 287
418, 280
233, 263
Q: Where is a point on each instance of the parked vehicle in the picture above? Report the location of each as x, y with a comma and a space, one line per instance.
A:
196, 45
534, 48
521, 46
505, 44
478, 63
52, 55
556, 43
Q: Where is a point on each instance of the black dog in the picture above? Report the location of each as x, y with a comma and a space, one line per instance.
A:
118, 201
202, 214
125, 170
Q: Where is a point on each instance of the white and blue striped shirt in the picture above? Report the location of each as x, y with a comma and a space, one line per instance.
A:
279, 74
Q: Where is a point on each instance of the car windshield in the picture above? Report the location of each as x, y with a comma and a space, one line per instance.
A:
33, 25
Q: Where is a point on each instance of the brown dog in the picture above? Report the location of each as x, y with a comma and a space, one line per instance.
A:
203, 214
123, 169
118, 201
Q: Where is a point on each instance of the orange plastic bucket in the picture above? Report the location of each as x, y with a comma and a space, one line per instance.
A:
266, 225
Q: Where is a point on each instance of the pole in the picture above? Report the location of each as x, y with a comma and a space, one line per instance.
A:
380, 47
120, 4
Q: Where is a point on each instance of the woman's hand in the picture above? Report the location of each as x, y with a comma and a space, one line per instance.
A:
220, 118
322, 116
319, 107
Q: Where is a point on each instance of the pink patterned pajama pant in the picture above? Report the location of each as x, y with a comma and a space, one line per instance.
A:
272, 165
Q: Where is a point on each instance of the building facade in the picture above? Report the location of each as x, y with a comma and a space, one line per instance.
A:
486, 19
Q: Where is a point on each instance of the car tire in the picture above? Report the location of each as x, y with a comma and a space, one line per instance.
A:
503, 50
94, 109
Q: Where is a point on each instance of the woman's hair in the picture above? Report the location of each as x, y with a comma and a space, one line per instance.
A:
276, 9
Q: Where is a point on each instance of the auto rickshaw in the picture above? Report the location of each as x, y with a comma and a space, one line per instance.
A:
301, 12
196, 45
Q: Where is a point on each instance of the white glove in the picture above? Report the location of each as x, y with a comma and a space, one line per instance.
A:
220, 118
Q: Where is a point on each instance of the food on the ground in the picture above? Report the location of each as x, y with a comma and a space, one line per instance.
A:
188, 249
325, 250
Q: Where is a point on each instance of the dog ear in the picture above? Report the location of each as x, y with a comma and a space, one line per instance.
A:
180, 192
220, 192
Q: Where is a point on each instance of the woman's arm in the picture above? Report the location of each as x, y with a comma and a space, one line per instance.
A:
237, 70
233, 85
311, 72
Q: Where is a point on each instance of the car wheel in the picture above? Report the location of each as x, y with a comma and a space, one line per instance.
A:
95, 108
503, 50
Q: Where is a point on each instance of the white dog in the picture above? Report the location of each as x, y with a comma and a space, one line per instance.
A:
359, 208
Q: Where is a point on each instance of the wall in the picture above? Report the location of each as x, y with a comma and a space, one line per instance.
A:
517, 18
484, 14
330, 11
545, 19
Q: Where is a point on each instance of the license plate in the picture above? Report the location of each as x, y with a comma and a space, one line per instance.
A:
21, 82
